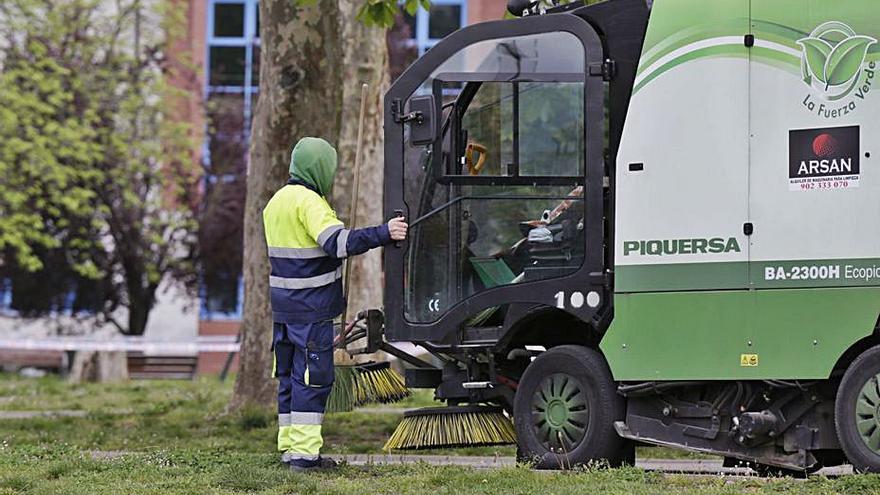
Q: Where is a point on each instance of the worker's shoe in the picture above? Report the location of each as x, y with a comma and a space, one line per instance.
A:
322, 464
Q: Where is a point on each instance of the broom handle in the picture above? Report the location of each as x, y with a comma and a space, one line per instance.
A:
352, 211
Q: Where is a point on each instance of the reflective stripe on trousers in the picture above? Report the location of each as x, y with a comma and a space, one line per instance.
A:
299, 435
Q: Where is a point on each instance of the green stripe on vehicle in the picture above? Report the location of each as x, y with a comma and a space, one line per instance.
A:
671, 17
681, 276
717, 51
796, 333
684, 38
782, 274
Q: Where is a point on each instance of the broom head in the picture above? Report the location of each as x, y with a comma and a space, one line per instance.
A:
342, 395
449, 427
377, 382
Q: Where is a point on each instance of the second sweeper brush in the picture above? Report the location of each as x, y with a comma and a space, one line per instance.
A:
377, 382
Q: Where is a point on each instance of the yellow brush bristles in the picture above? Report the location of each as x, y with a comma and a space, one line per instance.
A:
381, 384
452, 427
364, 384
342, 395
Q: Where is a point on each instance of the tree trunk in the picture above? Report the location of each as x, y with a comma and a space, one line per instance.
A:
140, 304
100, 367
300, 95
365, 61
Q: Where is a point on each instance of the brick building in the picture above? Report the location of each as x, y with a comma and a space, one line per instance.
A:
231, 48
223, 38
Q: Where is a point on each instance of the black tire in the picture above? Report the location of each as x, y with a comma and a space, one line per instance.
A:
862, 372
583, 435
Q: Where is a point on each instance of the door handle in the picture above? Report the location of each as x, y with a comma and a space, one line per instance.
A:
398, 214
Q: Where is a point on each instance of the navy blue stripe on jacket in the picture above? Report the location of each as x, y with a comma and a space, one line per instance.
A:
302, 306
300, 268
303, 268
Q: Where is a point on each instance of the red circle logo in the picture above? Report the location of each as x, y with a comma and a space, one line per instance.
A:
824, 145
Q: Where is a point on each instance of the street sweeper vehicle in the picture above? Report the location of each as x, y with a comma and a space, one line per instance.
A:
642, 223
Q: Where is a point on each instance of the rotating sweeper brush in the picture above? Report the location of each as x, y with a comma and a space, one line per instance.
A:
368, 383
453, 426
378, 383
357, 384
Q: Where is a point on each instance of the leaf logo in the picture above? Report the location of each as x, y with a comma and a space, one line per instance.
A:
833, 56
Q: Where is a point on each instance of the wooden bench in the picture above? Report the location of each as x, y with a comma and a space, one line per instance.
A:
16, 359
143, 367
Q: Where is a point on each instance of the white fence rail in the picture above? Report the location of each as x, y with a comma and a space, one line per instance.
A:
224, 344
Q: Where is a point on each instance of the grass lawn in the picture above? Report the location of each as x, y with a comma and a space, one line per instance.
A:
177, 439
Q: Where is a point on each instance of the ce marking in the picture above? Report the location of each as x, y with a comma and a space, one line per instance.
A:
434, 305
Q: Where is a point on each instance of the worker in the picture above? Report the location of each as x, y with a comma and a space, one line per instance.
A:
307, 244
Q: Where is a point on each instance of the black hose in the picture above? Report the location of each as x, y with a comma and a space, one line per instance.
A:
355, 336
652, 388
727, 392
786, 384
739, 395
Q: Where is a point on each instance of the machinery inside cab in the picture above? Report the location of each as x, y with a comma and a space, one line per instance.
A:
496, 158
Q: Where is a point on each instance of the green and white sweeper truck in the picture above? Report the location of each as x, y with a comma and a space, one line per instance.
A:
641, 222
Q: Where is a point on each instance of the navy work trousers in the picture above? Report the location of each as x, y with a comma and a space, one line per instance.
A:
304, 367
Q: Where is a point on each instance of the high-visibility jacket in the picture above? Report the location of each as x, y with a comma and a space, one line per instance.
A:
307, 244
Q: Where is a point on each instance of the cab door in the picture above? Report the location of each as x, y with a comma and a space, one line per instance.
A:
813, 182
504, 196
682, 182
812, 129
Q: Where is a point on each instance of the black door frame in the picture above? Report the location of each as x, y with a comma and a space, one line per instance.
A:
591, 276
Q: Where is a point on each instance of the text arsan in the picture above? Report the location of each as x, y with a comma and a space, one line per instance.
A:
811, 167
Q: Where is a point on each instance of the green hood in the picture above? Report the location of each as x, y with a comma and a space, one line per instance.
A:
313, 161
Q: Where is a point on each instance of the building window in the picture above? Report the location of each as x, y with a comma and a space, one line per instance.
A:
231, 85
411, 36
54, 290
431, 26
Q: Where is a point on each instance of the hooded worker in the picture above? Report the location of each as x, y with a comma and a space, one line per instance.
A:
307, 244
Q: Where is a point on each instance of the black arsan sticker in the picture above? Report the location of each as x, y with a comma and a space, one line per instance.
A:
826, 158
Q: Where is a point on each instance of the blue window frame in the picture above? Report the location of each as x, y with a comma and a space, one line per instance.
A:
233, 49
6, 298
232, 55
71, 296
214, 309
232, 52
430, 26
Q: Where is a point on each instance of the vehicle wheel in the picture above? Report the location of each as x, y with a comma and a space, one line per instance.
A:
857, 412
565, 408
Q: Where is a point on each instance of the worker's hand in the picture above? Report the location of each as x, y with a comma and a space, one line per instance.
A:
397, 227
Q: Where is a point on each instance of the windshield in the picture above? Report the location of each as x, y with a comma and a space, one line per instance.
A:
518, 130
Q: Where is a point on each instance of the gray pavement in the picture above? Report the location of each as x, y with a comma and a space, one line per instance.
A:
696, 467
685, 466
62, 413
